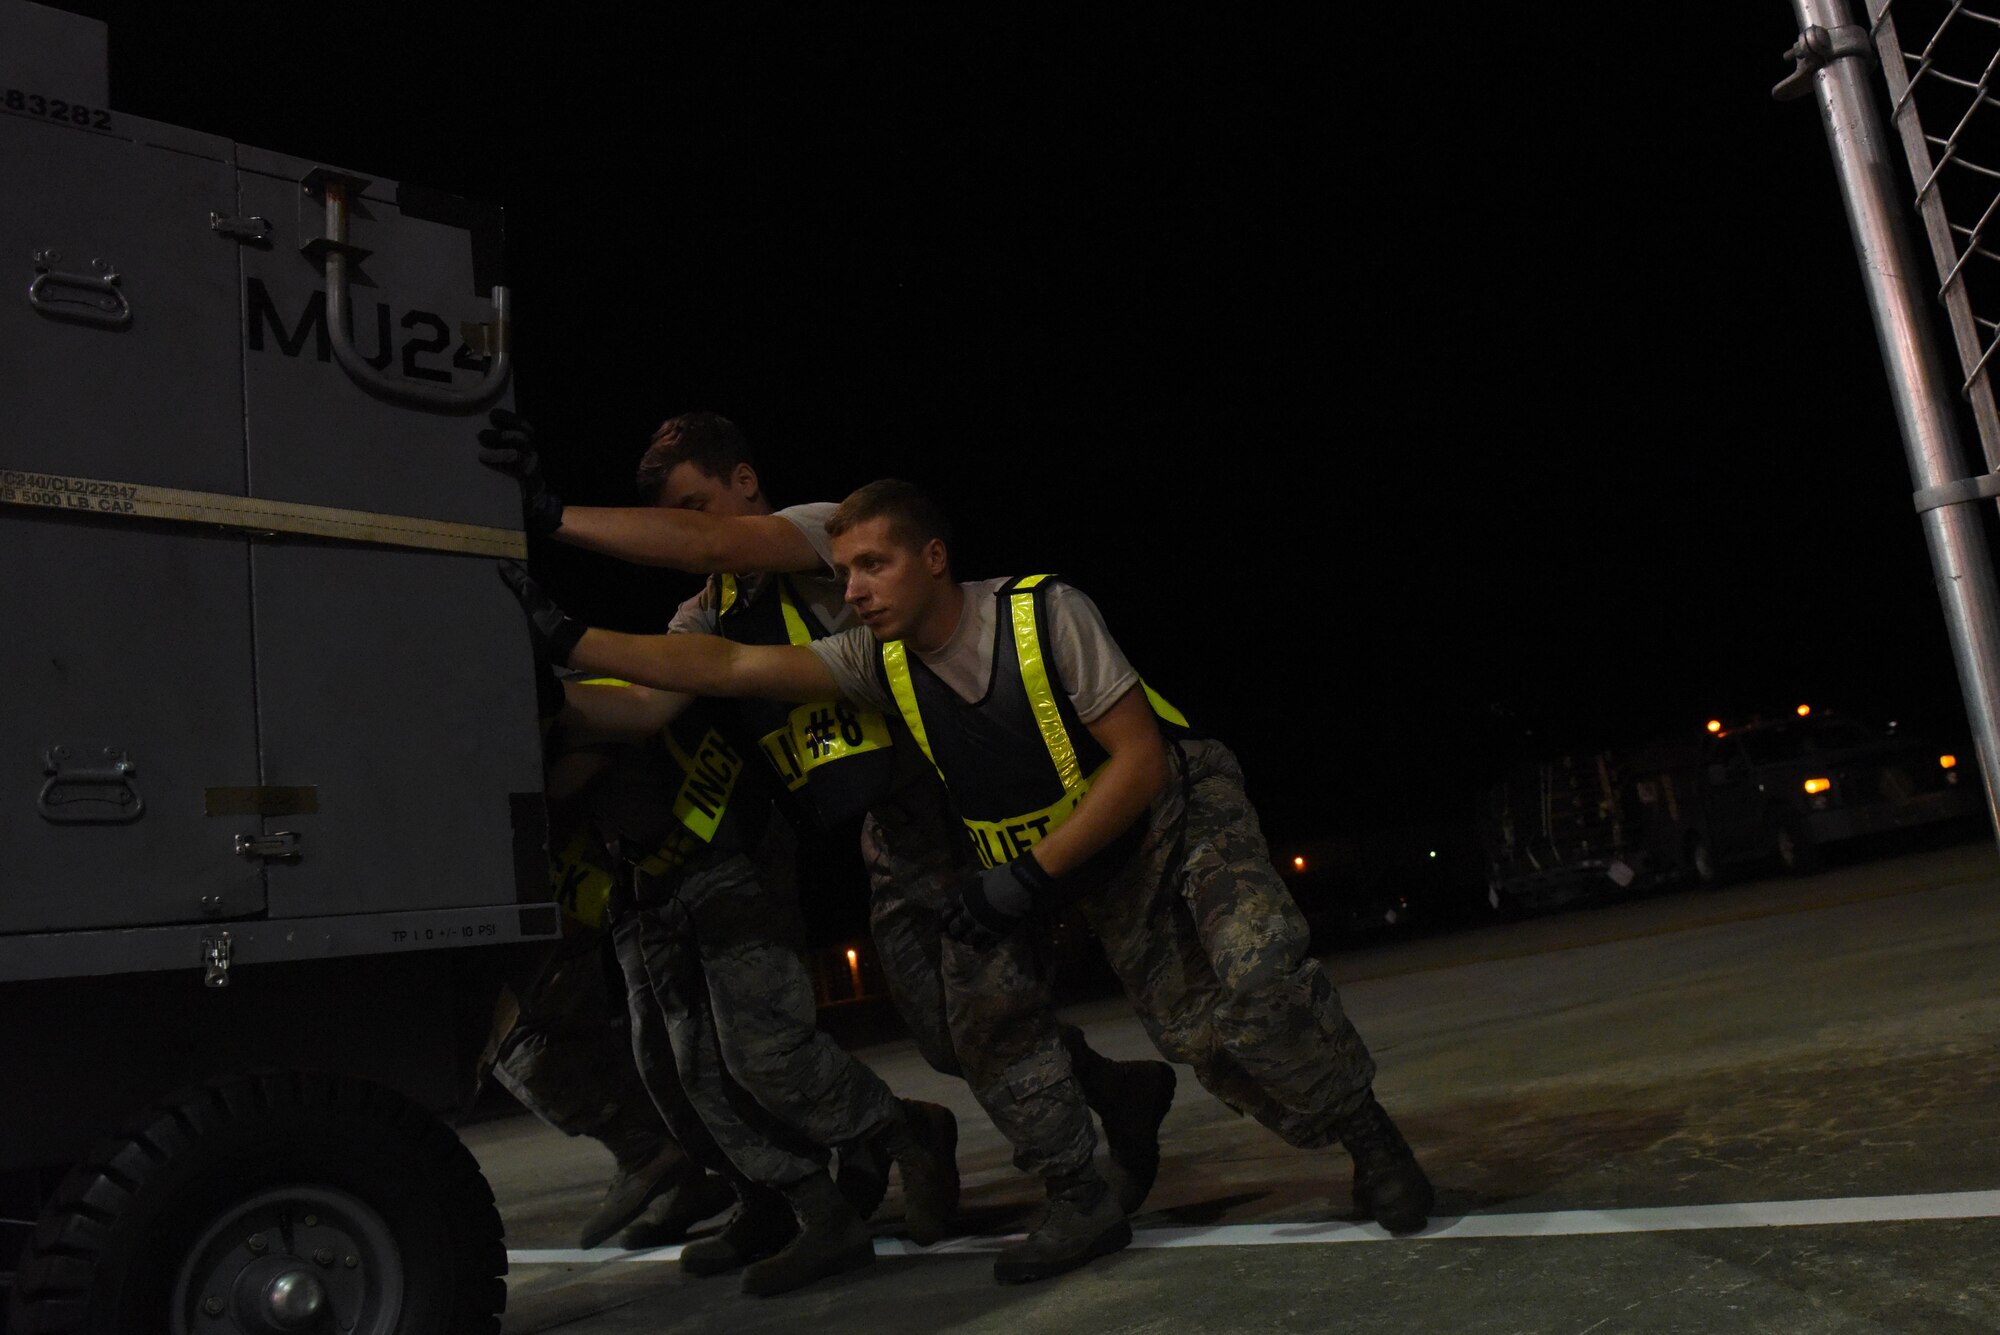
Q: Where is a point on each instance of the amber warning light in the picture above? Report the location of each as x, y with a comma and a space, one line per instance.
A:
1804, 710
1715, 725
1818, 785
1298, 864
1947, 762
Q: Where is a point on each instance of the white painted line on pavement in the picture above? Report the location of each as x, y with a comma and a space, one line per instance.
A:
1556, 1224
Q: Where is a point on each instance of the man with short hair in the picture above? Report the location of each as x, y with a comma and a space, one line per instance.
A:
1076, 783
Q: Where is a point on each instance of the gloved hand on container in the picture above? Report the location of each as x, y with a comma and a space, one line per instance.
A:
555, 632
991, 907
508, 446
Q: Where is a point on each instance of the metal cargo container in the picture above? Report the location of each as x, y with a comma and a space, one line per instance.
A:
269, 776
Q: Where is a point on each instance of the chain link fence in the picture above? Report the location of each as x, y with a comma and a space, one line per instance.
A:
1941, 61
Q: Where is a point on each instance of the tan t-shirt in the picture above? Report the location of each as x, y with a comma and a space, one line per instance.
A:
821, 590
1089, 665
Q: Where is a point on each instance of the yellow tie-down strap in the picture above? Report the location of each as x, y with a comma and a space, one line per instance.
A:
131, 500
818, 734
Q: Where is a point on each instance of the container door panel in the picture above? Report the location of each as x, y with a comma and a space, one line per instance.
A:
398, 685
124, 640
396, 682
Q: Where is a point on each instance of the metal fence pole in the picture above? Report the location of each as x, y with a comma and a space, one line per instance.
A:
1897, 295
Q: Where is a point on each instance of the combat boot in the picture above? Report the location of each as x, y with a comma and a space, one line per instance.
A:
760, 1225
1131, 1099
1389, 1187
831, 1239
924, 1144
647, 1167
863, 1178
1082, 1223
672, 1213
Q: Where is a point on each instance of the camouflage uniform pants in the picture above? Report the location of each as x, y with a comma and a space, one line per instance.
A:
915, 857
986, 1015
1212, 951
718, 963
568, 1061
1203, 934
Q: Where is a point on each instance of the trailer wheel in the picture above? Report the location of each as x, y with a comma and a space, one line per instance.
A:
268, 1204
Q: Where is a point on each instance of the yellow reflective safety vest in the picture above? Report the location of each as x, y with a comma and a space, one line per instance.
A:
684, 795
709, 815
582, 884
834, 760
1018, 761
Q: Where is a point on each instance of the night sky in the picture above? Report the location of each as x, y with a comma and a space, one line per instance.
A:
1397, 383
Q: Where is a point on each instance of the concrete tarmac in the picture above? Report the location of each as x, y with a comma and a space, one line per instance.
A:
1599, 1086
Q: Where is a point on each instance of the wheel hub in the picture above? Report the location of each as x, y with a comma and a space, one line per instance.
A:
293, 1300
295, 1259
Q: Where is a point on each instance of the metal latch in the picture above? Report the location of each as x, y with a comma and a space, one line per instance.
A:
282, 845
215, 957
251, 230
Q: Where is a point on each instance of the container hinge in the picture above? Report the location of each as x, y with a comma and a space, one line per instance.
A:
251, 230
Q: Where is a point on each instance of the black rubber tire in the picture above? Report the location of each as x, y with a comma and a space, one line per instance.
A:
105, 1255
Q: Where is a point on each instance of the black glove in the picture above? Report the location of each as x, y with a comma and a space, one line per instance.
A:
991, 907
508, 446
555, 633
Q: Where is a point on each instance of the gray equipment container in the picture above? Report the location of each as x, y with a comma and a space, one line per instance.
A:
270, 801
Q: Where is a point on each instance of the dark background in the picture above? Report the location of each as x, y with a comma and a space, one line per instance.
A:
1399, 383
